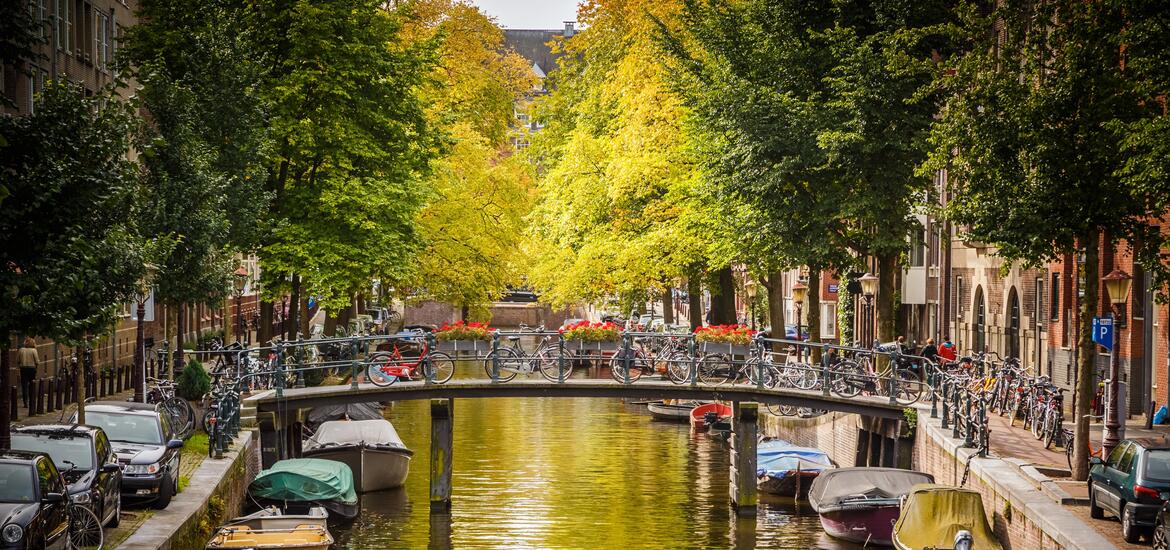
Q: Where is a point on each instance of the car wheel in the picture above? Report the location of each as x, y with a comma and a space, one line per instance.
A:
1160, 536
117, 519
1130, 532
166, 490
1095, 511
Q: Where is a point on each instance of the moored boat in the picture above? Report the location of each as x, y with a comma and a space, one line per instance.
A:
371, 448
271, 528
298, 484
787, 470
938, 516
670, 412
699, 414
861, 504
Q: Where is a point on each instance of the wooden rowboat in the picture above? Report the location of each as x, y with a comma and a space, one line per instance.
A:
699, 414
670, 412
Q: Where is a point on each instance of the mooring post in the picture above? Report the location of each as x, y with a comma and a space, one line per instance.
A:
743, 458
442, 411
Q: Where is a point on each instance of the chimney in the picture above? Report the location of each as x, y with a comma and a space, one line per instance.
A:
569, 30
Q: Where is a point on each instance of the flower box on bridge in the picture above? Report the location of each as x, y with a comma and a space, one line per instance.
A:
712, 348
464, 346
582, 346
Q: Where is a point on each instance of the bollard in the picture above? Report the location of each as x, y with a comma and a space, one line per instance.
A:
63, 386
40, 386
13, 395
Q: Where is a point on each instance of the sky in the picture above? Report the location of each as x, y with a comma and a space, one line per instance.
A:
530, 14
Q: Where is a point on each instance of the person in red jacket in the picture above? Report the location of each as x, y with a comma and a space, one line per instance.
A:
947, 352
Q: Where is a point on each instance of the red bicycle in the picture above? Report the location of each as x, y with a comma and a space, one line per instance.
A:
418, 362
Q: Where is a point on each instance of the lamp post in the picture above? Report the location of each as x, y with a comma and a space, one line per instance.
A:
1117, 285
869, 285
799, 292
141, 295
751, 296
240, 280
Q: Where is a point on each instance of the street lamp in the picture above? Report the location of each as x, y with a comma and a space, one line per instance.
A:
141, 295
751, 296
799, 292
241, 279
1117, 285
869, 285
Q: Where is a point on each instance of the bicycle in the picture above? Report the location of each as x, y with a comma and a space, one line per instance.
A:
85, 529
1047, 417
179, 411
504, 363
632, 364
849, 378
385, 367
1068, 437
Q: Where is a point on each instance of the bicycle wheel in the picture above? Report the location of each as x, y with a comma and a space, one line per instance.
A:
509, 364
626, 364
1038, 423
207, 416
678, 368
376, 370
85, 529
1053, 426
550, 365
1066, 437
182, 415
909, 389
442, 368
803, 377
715, 369
847, 379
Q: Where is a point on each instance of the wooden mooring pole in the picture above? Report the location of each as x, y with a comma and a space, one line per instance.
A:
442, 413
742, 484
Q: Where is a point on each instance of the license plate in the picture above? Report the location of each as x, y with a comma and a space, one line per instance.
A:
143, 492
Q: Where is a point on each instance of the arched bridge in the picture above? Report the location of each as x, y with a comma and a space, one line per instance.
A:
279, 416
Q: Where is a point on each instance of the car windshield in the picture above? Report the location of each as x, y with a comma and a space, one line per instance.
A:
1158, 465
16, 483
129, 428
77, 450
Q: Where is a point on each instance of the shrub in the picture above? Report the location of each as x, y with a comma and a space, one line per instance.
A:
194, 382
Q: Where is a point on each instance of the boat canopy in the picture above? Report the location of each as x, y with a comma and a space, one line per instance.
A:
349, 411
933, 514
781, 456
850, 487
355, 432
305, 480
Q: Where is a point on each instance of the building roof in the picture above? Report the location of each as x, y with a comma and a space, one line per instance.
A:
532, 44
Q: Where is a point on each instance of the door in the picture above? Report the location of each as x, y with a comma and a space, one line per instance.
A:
1116, 472
53, 516
110, 483
980, 321
1013, 325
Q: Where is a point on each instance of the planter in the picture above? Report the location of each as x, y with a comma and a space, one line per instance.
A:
463, 346
711, 348
580, 346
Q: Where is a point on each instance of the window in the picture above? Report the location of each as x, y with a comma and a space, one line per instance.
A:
918, 246
32, 90
1137, 294
61, 23
1054, 298
103, 40
48, 477
1116, 455
1038, 311
102, 446
958, 297
1126, 463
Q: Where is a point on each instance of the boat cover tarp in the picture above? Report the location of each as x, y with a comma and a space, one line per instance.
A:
305, 480
832, 489
355, 432
933, 514
350, 411
777, 458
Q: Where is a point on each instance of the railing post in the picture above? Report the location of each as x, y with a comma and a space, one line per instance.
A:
967, 436
893, 385
560, 358
933, 386
946, 418
495, 357
824, 374
693, 357
353, 366
955, 408
626, 357
429, 377
279, 382
758, 349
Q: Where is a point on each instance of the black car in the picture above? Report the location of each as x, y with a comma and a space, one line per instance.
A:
32, 502
86, 460
146, 445
1162, 528
1131, 484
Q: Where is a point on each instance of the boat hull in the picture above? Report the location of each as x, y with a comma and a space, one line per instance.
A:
867, 526
669, 413
374, 468
698, 414
791, 484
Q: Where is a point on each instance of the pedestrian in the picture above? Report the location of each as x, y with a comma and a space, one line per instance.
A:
930, 351
947, 351
27, 359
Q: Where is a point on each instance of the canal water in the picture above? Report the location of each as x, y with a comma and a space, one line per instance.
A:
572, 473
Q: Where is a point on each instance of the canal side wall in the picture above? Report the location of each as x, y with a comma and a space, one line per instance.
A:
1022, 516
850, 439
216, 493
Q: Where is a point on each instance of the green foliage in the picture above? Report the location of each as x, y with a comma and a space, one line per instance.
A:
194, 382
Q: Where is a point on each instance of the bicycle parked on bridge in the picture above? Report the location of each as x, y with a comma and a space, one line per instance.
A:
852, 377
384, 368
504, 363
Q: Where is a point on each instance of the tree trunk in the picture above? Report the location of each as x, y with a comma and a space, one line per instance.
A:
305, 319
887, 265
264, 331
180, 338
775, 288
1087, 360
294, 308
814, 312
695, 302
464, 313
667, 307
5, 393
723, 299
83, 365
330, 324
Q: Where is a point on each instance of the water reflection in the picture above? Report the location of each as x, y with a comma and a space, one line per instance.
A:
572, 473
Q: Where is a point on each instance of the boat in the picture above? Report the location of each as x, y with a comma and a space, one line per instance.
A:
699, 414
271, 528
787, 470
371, 448
298, 484
943, 518
349, 411
671, 412
861, 504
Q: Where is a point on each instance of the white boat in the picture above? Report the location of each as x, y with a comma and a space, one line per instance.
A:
270, 528
371, 448
671, 412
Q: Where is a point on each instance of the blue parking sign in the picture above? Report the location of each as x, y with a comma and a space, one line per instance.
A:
1103, 331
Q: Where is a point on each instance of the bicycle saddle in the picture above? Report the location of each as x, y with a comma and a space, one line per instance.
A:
513, 338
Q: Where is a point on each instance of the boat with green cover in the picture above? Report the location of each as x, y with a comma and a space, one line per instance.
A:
301, 483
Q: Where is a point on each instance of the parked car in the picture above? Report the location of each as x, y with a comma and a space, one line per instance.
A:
32, 502
1131, 484
85, 459
790, 332
146, 445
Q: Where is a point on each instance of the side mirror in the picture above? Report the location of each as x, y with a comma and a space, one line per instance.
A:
174, 444
53, 498
1095, 460
112, 467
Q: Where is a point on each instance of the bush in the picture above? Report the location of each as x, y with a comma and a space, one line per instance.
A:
194, 382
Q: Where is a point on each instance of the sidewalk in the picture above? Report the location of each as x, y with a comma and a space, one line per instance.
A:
1052, 464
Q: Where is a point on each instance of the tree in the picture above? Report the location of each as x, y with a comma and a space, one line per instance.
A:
69, 246
1034, 134
817, 118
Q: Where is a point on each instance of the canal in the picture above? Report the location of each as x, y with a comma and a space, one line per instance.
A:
572, 473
